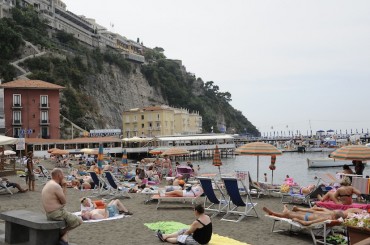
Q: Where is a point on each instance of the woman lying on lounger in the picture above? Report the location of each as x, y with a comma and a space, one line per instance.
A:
200, 231
193, 191
305, 218
343, 195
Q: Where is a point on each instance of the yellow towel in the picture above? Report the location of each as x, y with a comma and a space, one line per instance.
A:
222, 240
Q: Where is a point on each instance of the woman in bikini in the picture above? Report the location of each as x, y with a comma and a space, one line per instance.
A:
343, 195
200, 231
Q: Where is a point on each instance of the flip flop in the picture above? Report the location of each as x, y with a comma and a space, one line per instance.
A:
160, 236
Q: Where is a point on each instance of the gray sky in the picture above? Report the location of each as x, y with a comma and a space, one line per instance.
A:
287, 64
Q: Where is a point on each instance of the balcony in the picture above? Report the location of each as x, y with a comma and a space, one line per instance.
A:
17, 106
44, 106
17, 122
44, 122
127, 121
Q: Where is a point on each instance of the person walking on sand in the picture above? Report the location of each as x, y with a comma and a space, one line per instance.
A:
53, 197
166, 166
30, 177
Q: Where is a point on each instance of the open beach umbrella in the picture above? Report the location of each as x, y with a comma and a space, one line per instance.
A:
52, 149
158, 150
5, 140
100, 156
258, 149
175, 151
60, 152
124, 158
352, 152
217, 159
89, 151
9, 152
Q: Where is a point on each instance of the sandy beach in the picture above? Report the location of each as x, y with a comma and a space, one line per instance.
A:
131, 230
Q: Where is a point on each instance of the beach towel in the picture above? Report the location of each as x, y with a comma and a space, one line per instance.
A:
169, 227
333, 206
94, 221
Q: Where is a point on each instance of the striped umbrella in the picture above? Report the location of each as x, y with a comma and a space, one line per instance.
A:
258, 149
124, 158
100, 156
352, 152
217, 159
175, 151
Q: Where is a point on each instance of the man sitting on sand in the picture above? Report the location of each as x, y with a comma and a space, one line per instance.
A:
305, 218
14, 185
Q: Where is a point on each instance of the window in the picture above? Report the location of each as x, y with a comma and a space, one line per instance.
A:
44, 100
16, 132
45, 132
16, 99
142, 125
142, 117
44, 117
158, 116
16, 117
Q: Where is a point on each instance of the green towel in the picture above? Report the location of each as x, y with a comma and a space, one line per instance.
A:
166, 227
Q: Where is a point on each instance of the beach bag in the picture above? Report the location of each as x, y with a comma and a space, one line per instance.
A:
284, 188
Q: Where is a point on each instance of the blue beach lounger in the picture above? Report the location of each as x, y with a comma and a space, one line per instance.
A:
211, 201
236, 204
118, 189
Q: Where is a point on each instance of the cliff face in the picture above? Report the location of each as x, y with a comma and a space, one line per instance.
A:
115, 92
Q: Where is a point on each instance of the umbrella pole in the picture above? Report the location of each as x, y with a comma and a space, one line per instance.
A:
258, 167
272, 177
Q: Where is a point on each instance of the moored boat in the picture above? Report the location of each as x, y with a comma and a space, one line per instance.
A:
327, 162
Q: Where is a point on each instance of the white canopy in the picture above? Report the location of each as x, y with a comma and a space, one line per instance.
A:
4, 140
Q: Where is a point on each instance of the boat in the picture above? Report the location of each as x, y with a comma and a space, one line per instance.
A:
327, 162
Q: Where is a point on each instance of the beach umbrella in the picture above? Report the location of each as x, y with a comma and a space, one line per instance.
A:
158, 150
175, 151
89, 151
52, 149
5, 140
258, 149
124, 158
217, 159
100, 156
60, 152
352, 152
9, 152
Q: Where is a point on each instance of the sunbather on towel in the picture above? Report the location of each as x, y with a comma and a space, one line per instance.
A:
14, 185
193, 191
305, 218
114, 206
200, 231
343, 195
319, 210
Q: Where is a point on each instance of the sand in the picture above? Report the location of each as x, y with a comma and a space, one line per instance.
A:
131, 230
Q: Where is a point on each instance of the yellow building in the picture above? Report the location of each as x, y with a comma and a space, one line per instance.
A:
160, 120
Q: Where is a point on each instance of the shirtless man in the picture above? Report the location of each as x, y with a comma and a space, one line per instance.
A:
166, 166
30, 178
343, 195
305, 218
53, 197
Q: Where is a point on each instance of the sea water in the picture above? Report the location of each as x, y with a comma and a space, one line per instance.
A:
293, 164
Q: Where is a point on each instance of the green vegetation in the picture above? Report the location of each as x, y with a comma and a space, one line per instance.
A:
177, 88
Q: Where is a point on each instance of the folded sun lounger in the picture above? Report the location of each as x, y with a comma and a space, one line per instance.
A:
181, 199
316, 230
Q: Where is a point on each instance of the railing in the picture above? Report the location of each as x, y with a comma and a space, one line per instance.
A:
44, 105
17, 106
44, 122
17, 122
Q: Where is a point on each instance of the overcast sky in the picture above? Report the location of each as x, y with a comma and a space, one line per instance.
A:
289, 65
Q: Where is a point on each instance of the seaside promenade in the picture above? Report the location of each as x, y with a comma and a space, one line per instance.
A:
131, 230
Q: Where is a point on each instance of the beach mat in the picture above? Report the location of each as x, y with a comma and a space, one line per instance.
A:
94, 221
169, 227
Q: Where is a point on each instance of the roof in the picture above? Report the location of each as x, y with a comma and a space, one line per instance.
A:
30, 84
195, 137
76, 140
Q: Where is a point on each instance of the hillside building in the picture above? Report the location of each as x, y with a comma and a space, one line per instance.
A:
32, 109
84, 29
160, 120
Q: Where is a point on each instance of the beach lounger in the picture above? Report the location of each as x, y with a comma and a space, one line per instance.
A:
4, 188
211, 201
297, 198
334, 206
236, 204
183, 200
101, 187
318, 231
44, 174
116, 188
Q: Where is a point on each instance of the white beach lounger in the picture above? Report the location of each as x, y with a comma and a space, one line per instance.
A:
321, 229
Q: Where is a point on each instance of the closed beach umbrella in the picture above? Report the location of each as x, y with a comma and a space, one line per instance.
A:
352, 152
100, 156
258, 149
175, 151
158, 150
124, 158
217, 159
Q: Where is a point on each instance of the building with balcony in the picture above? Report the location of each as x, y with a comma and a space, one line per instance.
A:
160, 120
31, 109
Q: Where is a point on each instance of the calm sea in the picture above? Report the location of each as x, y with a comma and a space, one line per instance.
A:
292, 163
